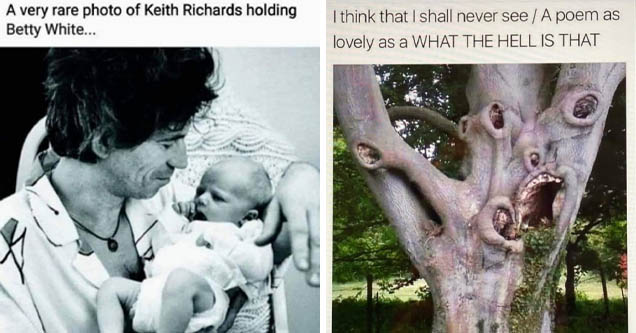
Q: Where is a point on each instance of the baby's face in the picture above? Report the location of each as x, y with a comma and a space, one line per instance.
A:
219, 197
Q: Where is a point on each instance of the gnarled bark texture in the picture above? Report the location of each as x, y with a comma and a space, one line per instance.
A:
531, 151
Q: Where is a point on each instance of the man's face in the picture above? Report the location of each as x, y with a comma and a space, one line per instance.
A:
219, 197
140, 172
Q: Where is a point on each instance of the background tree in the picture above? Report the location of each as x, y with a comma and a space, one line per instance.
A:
602, 250
530, 153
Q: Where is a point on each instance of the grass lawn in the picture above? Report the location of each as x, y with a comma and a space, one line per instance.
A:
589, 285
403, 312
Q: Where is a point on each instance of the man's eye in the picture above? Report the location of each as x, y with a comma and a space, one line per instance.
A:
217, 198
167, 144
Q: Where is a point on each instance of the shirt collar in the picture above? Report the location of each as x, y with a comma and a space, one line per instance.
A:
51, 216
53, 219
49, 213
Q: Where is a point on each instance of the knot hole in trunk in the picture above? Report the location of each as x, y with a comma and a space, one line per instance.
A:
585, 106
496, 116
368, 155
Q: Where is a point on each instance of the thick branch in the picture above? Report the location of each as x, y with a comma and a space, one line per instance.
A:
376, 145
574, 124
603, 78
427, 115
402, 206
519, 92
578, 110
523, 87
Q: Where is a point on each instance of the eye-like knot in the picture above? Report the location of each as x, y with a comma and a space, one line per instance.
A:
534, 159
368, 154
585, 106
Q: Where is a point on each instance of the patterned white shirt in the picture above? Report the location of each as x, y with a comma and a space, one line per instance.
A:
46, 284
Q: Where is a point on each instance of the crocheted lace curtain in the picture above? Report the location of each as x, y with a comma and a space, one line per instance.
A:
225, 129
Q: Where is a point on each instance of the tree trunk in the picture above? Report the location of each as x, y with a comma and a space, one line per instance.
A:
623, 296
604, 284
377, 320
369, 303
570, 292
530, 155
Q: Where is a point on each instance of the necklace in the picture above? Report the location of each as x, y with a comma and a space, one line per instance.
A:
110, 241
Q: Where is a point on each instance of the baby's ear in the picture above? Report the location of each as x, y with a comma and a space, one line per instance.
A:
252, 214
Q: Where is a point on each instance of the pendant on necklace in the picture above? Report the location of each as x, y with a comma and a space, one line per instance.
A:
112, 245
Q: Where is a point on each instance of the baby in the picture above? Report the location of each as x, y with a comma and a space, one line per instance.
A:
187, 281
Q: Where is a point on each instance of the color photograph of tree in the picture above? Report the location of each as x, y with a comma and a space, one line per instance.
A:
479, 198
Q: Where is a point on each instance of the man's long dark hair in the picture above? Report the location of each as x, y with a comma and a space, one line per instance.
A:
122, 95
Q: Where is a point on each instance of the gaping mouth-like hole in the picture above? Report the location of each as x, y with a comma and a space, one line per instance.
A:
534, 203
496, 117
503, 223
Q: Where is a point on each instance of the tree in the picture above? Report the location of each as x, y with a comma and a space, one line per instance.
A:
507, 216
622, 280
603, 250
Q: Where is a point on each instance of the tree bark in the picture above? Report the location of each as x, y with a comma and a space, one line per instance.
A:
604, 284
530, 154
377, 319
421, 113
369, 303
623, 296
570, 292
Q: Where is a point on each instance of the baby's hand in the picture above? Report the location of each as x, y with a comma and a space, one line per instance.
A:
185, 208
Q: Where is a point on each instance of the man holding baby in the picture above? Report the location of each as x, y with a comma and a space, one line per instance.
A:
117, 119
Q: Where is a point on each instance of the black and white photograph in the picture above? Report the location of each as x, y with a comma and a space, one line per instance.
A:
160, 190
